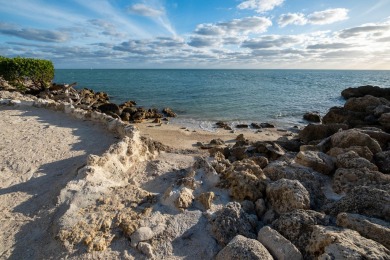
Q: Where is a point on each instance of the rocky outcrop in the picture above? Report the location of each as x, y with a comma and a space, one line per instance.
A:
351, 160
312, 117
362, 151
318, 132
372, 228
345, 180
231, 221
244, 248
286, 195
318, 161
353, 137
335, 243
382, 160
366, 90
279, 247
364, 200
298, 225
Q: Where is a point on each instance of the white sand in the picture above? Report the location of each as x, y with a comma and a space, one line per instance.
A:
40, 151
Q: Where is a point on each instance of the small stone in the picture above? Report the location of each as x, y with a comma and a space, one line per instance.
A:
206, 199
140, 235
146, 249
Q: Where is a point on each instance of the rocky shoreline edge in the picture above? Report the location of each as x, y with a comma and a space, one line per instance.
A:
323, 195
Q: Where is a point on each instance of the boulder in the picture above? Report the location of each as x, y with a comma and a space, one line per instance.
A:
362, 151
297, 226
364, 200
267, 125
365, 104
382, 160
351, 159
258, 126
318, 161
269, 149
140, 235
312, 117
260, 207
279, 247
245, 180
169, 112
231, 221
353, 137
381, 109
346, 179
339, 115
366, 90
206, 199
313, 181
286, 195
384, 120
379, 135
318, 132
244, 248
242, 126
109, 108
372, 228
336, 243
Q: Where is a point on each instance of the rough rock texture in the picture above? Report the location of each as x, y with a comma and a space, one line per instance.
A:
364, 200
336, 243
206, 199
382, 160
245, 180
318, 132
297, 226
352, 160
231, 221
364, 104
244, 248
345, 180
270, 149
279, 247
318, 161
366, 90
146, 249
286, 195
384, 120
260, 207
310, 179
372, 228
339, 115
140, 235
312, 117
379, 135
185, 199
354, 137
362, 151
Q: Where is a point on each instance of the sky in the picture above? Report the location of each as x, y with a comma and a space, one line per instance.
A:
231, 34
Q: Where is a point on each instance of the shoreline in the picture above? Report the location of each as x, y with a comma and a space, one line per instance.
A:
160, 184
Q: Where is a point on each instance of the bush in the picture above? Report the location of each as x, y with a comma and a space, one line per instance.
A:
19, 70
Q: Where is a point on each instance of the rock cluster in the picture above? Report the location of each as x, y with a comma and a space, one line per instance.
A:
328, 200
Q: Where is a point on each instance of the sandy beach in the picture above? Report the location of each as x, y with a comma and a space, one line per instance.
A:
80, 184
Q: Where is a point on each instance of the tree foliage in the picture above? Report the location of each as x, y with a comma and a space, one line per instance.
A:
18, 70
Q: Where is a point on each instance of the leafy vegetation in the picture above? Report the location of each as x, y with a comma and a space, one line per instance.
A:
20, 70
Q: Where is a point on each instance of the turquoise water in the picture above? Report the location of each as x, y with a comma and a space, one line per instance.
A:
202, 97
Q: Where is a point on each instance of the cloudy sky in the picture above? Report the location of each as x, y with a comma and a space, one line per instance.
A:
319, 34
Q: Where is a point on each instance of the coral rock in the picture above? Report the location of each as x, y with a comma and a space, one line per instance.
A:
318, 161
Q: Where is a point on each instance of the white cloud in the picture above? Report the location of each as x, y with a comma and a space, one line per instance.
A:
328, 16
271, 41
321, 17
260, 6
292, 18
144, 10
247, 25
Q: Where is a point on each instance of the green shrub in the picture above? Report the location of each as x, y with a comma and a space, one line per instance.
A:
18, 70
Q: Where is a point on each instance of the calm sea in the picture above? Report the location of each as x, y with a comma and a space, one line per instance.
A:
201, 97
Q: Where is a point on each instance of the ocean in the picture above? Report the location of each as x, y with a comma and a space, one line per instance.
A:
202, 97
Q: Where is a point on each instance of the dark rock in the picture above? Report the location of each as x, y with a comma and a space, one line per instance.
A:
366, 90
217, 142
298, 225
125, 116
256, 126
318, 132
290, 145
242, 126
267, 125
365, 104
230, 221
339, 115
365, 200
382, 160
312, 117
270, 149
109, 107
223, 125
169, 112
130, 110
354, 137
